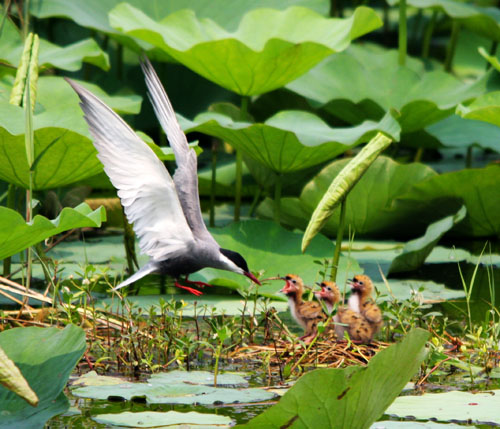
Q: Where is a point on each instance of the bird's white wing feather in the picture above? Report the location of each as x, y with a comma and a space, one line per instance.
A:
186, 175
147, 191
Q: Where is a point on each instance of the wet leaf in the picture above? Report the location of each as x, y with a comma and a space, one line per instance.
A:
342, 184
415, 252
291, 140
455, 406
46, 357
350, 397
156, 419
364, 83
269, 48
16, 235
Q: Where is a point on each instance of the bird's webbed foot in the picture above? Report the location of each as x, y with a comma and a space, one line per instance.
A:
196, 283
189, 289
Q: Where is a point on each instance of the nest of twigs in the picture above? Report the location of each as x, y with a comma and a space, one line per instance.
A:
323, 353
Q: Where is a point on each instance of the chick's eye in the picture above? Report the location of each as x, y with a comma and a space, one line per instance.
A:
329, 288
294, 281
361, 283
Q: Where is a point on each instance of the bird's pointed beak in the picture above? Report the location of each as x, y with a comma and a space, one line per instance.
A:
253, 278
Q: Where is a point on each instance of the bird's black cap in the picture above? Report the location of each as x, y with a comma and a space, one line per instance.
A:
236, 258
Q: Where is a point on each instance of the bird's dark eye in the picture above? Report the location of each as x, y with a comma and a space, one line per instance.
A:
329, 288
360, 282
294, 281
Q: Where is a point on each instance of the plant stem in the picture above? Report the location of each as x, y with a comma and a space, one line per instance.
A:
26, 27
11, 204
402, 33
419, 154
493, 52
429, 29
255, 201
452, 45
277, 198
216, 366
213, 183
239, 164
338, 243
468, 157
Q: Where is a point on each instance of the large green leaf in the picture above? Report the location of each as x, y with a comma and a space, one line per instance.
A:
291, 140
227, 13
484, 108
479, 407
477, 188
16, 235
416, 251
157, 419
12, 379
483, 20
363, 83
342, 184
269, 49
64, 152
69, 57
46, 357
352, 397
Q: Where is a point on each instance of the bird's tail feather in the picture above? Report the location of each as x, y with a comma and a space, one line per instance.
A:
149, 268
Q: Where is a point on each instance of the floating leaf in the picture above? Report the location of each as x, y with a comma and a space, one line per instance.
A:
16, 235
46, 357
364, 83
351, 397
342, 185
269, 49
156, 419
12, 379
291, 140
391, 424
416, 251
455, 406
204, 378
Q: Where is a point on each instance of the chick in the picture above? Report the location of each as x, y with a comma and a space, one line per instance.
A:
307, 313
345, 319
362, 302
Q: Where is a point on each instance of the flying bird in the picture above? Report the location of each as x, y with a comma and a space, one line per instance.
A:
165, 212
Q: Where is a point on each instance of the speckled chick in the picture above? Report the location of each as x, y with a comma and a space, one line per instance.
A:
354, 323
362, 302
307, 313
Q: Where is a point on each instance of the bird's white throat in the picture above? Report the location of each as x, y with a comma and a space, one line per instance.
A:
293, 309
353, 302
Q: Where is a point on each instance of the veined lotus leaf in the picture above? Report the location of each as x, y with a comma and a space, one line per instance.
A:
269, 48
169, 419
483, 20
363, 83
16, 235
228, 13
398, 424
64, 152
384, 180
291, 140
416, 251
455, 131
69, 57
484, 108
350, 397
46, 357
456, 406
476, 187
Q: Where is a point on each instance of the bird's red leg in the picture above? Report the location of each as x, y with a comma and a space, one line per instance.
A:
199, 284
189, 289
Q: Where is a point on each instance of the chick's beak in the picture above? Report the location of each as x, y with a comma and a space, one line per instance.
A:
253, 278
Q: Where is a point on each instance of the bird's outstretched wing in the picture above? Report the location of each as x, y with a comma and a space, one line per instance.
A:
146, 190
186, 175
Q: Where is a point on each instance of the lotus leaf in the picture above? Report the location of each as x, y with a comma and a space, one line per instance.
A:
351, 397
16, 235
12, 379
484, 108
68, 57
341, 186
91, 378
64, 152
427, 292
477, 188
169, 419
203, 378
483, 20
384, 180
457, 406
269, 49
291, 140
46, 357
391, 424
228, 13
455, 131
363, 82
416, 251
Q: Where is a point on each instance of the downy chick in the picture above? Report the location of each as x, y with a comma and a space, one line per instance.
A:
306, 313
354, 323
362, 302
